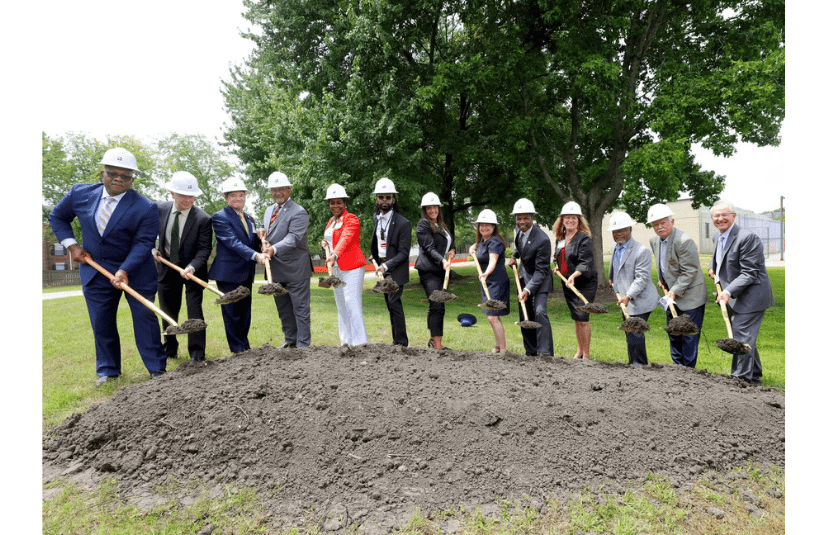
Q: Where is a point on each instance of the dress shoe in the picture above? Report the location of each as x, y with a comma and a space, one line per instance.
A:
287, 345
155, 375
102, 379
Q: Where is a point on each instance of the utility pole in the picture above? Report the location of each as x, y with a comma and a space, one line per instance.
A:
782, 228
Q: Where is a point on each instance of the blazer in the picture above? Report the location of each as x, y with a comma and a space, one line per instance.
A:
431, 247
233, 247
578, 255
634, 277
127, 241
399, 240
346, 242
195, 244
535, 260
683, 272
742, 271
288, 236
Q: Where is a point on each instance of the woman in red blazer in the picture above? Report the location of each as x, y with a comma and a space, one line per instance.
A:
342, 238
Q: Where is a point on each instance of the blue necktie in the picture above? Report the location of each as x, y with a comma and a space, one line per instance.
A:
617, 258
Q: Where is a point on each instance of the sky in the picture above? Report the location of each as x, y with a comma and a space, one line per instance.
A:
154, 67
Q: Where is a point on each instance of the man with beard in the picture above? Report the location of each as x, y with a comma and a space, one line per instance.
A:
533, 247
390, 247
680, 277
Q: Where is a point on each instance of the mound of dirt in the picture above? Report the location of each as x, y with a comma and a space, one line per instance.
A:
370, 428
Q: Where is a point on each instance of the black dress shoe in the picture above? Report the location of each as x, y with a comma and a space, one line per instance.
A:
286, 345
155, 375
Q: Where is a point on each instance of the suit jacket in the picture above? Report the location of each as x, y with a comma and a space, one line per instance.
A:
234, 247
578, 255
634, 277
195, 244
742, 271
535, 261
288, 235
683, 272
127, 241
346, 242
399, 240
431, 247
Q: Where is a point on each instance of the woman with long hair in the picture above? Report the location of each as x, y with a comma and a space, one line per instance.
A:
574, 260
489, 248
436, 249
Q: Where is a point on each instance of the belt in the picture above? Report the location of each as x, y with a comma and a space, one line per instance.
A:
382, 259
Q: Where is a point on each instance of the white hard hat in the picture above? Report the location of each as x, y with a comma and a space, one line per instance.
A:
184, 183
571, 208
278, 180
430, 199
620, 220
384, 185
233, 184
120, 157
336, 191
657, 212
523, 206
487, 216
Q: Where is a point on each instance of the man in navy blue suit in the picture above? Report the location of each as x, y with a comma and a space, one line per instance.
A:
119, 228
237, 248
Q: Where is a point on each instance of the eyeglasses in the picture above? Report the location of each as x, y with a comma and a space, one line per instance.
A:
123, 177
384, 197
279, 190
722, 216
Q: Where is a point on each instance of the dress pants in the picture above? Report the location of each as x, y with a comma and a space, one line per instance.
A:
169, 298
351, 328
636, 347
398, 322
432, 281
537, 341
685, 349
237, 316
102, 300
293, 309
745, 328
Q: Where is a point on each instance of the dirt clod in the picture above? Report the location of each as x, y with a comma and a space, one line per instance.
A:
188, 326
681, 326
272, 289
733, 346
241, 292
442, 296
635, 325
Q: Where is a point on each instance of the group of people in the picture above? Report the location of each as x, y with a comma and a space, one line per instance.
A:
138, 240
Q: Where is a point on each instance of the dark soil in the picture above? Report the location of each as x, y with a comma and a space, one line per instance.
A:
272, 288
733, 346
635, 325
241, 292
442, 296
186, 327
331, 282
594, 308
370, 432
386, 286
681, 325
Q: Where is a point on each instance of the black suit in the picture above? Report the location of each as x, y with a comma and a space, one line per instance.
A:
536, 277
397, 260
194, 249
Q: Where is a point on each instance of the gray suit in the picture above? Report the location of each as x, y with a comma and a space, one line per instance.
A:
633, 278
682, 274
743, 274
292, 268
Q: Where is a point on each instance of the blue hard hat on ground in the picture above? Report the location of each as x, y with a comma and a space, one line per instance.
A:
467, 320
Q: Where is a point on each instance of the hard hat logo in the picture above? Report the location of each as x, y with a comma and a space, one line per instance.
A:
430, 199
120, 157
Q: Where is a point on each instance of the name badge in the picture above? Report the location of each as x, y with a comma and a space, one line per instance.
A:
382, 244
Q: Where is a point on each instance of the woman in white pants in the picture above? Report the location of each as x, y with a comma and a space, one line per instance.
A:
342, 238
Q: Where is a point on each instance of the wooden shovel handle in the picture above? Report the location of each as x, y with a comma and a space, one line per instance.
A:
447, 274
377, 274
621, 305
194, 278
724, 311
132, 292
575, 291
672, 308
518, 287
483, 282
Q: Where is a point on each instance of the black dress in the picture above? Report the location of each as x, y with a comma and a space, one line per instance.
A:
577, 255
498, 282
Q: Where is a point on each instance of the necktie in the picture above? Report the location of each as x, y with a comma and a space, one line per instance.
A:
243, 220
719, 250
617, 258
175, 241
105, 214
523, 240
274, 215
662, 253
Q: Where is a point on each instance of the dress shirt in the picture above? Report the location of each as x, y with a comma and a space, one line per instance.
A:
181, 222
71, 241
383, 223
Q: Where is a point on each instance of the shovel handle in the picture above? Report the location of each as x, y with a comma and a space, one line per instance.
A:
672, 308
447, 274
194, 278
724, 311
483, 282
518, 287
621, 305
377, 273
575, 291
131, 292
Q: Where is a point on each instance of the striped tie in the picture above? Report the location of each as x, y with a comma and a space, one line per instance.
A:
274, 215
105, 214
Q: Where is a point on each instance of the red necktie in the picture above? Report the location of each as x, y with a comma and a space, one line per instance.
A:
274, 215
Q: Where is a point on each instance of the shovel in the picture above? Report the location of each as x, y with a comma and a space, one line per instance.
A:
332, 281
631, 325
223, 298
526, 324
442, 296
730, 344
383, 286
268, 288
590, 308
188, 326
490, 304
680, 325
